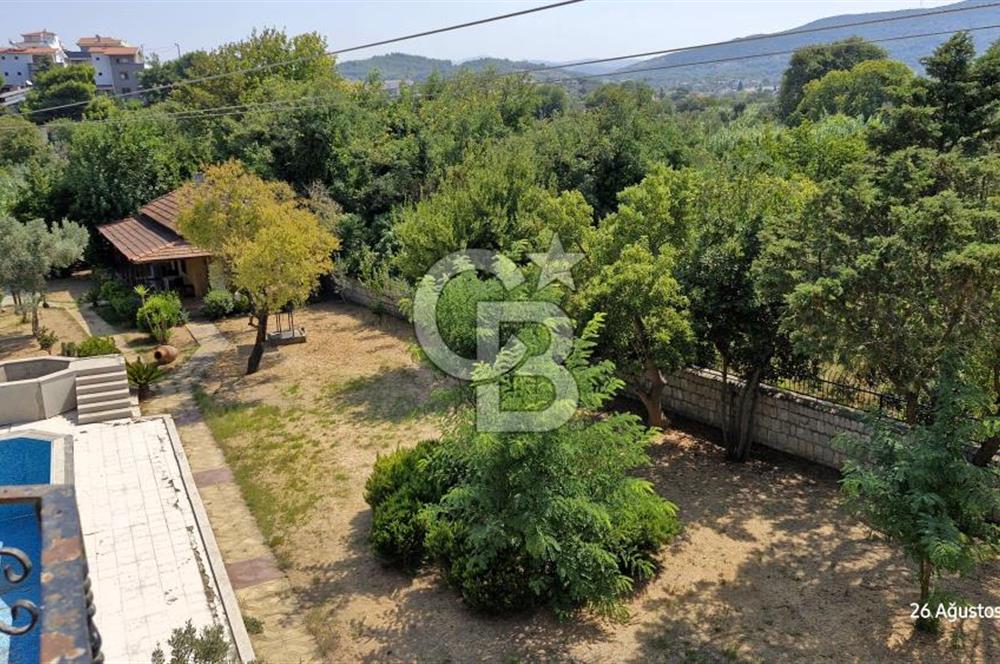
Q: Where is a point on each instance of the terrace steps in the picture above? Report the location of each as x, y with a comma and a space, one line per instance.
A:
102, 392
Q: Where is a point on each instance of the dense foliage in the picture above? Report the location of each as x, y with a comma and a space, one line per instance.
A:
517, 520
917, 489
159, 313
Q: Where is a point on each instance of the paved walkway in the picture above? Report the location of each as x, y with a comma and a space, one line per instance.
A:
262, 589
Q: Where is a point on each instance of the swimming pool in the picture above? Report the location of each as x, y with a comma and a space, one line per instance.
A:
25, 459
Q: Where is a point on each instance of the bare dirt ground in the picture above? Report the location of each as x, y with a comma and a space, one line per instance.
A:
769, 568
16, 340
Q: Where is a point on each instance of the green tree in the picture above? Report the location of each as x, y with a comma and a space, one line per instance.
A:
20, 141
492, 201
116, 167
952, 89
29, 252
159, 74
860, 92
810, 63
736, 305
519, 520
894, 263
273, 248
915, 487
262, 57
60, 86
631, 260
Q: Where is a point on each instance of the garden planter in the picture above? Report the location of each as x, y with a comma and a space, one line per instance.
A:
165, 354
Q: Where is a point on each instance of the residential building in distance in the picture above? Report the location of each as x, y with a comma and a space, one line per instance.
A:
20, 60
116, 63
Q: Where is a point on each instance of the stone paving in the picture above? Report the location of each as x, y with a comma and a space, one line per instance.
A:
147, 558
262, 589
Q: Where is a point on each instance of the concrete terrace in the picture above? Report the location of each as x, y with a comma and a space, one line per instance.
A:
153, 559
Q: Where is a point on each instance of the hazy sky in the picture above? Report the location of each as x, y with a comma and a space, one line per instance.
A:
593, 28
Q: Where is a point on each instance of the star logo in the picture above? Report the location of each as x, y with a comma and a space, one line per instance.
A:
557, 265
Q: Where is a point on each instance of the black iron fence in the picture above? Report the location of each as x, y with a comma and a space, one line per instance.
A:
841, 388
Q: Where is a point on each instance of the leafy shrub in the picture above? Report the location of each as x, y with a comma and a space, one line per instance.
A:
92, 346
400, 485
46, 339
142, 375
188, 646
159, 313
917, 489
517, 520
121, 303
217, 304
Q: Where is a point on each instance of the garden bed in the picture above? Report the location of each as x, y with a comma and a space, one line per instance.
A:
769, 568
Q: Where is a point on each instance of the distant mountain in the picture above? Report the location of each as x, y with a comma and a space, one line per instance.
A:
757, 72
401, 66
766, 71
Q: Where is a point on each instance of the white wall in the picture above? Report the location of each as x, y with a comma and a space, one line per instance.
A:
15, 68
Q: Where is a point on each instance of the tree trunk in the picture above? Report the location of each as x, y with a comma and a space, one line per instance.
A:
739, 450
652, 398
926, 624
912, 404
987, 450
253, 364
724, 402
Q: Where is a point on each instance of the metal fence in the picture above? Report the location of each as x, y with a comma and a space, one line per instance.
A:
843, 389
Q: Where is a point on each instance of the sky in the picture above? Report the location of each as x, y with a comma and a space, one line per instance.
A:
591, 29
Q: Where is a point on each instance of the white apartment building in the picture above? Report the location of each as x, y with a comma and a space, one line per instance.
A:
116, 64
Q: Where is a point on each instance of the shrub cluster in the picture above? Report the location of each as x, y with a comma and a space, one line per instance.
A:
91, 347
121, 303
518, 520
159, 313
220, 303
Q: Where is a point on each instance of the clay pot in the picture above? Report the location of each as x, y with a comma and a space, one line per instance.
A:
165, 354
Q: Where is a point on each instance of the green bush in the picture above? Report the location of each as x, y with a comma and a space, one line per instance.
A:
121, 303
517, 520
92, 346
400, 485
46, 339
159, 313
217, 304
188, 646
142, 375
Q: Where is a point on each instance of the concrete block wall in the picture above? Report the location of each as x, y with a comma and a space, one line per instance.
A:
793, 423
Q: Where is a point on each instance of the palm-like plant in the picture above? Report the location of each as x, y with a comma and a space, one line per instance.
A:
142, 375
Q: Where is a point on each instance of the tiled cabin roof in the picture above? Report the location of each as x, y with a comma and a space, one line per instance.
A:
151, 235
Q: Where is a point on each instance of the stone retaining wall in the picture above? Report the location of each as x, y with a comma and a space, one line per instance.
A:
794, 423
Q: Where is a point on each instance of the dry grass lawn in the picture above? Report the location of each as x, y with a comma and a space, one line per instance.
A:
769, 568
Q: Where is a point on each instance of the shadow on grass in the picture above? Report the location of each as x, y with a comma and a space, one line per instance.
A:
395, 395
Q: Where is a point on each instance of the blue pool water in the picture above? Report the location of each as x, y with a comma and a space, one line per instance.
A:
22, 461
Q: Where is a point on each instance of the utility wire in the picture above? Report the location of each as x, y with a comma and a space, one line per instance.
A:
309, 102
772, 35
349, 49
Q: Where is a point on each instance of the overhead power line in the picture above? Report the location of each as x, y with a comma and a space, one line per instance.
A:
308, 102
771, 35
349, 49
712, 61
